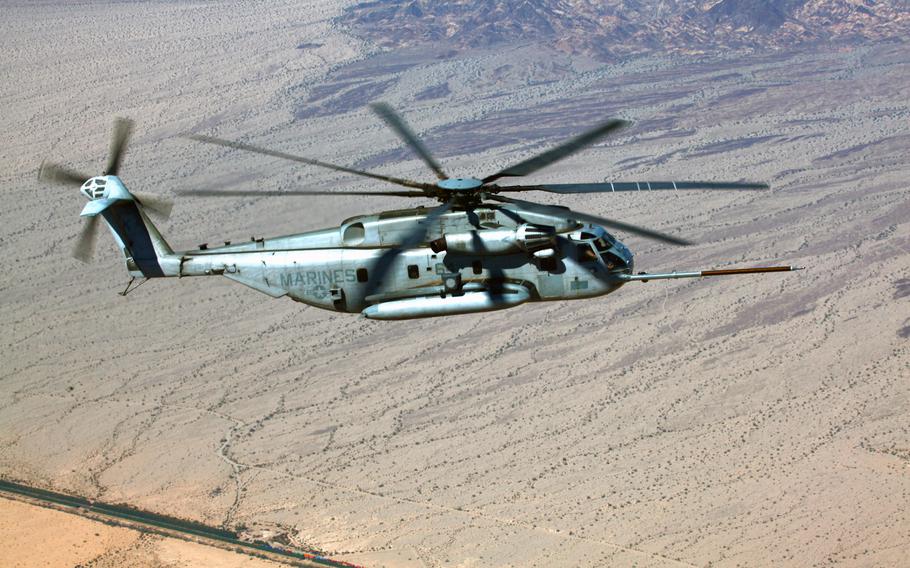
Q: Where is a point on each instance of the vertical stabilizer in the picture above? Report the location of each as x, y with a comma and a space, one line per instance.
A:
138, 238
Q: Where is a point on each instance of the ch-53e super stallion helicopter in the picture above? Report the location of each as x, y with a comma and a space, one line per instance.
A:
475, 252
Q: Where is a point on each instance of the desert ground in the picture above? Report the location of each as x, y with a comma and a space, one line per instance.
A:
747, 421
36, 536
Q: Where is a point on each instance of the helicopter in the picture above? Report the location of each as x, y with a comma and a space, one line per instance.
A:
477, 250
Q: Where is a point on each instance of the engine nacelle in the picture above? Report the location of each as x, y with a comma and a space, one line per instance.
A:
525, 237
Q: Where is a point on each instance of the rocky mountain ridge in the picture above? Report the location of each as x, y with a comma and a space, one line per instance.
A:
610, 29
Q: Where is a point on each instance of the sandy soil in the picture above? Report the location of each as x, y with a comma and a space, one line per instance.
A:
33, 536
732, 422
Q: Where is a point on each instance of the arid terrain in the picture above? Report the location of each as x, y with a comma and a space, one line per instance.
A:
36, 536
747, 421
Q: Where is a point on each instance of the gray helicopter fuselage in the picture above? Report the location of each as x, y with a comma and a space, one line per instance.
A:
336, 268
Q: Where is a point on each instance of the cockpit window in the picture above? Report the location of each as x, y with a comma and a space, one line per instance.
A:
602, 244
612, 261
586, 254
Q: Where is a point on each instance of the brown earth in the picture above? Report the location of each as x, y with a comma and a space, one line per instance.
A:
33, 536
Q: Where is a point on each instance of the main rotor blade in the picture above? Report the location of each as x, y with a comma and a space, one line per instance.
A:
404, 132
160, 206
123, 128
570, 214
59, 174
412, 239
85, 242
293, 192
558, 153
285, 156
635, 186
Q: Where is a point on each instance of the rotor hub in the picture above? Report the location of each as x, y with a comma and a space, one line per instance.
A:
459, 184
94, 187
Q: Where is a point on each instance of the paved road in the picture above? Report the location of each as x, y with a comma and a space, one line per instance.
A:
155, 522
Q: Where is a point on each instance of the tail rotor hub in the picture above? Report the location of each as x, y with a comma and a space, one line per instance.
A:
94, 188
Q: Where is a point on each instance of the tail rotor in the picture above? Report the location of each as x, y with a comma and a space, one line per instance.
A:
85, 242
158, 206
123, 129
55, 173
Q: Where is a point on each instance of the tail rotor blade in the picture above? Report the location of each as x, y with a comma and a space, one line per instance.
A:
570, 214
123, 128
558, 153
85, 243
396, 123
160, 206
58, 174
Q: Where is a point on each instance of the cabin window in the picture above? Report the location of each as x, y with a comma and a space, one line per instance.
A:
547, 264
362, 275
413, 271
477, 267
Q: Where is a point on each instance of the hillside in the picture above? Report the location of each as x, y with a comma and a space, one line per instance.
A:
614, 28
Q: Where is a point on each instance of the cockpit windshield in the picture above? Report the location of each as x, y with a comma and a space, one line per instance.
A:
586, 253
602, 244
